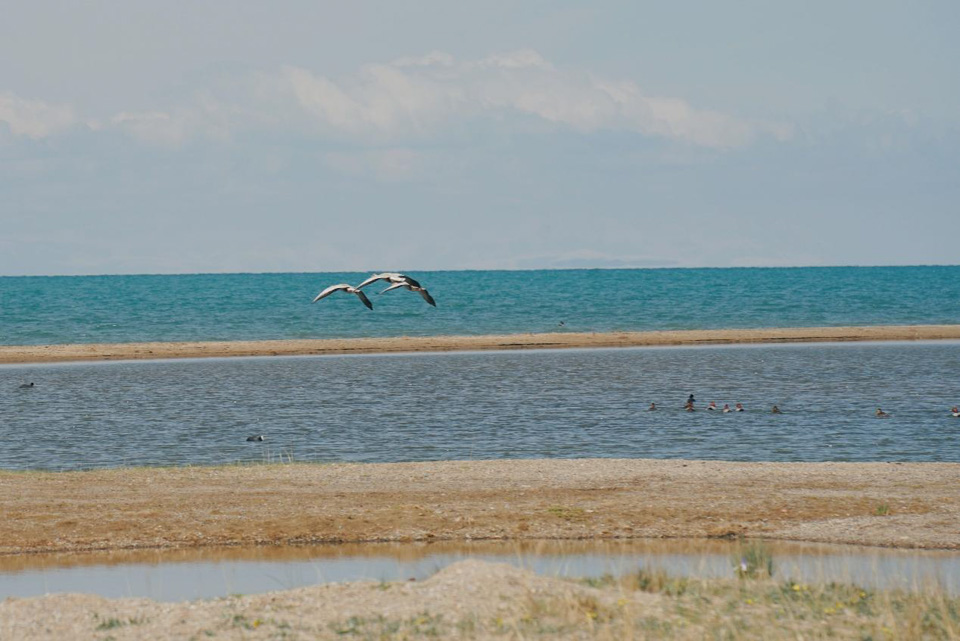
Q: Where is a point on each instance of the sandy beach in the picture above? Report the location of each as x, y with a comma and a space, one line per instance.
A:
884, 504
138, 351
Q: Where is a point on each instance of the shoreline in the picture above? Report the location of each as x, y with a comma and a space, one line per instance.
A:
24, 354
897, 505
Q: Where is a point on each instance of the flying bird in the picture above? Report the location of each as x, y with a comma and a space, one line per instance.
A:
347, 288
413, 288
392, 277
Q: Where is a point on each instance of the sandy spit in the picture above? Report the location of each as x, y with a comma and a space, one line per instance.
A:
883, 504
137, 351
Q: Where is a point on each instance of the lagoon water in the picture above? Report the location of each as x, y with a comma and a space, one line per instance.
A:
198, 307
176, 575
424, 407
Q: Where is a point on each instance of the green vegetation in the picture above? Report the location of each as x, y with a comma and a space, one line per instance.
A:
753, 561
651, 604
714, 609
424, 625
112, 622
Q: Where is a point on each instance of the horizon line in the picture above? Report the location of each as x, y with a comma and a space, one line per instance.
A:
504, 269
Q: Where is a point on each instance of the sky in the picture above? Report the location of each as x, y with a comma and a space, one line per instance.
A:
180, 137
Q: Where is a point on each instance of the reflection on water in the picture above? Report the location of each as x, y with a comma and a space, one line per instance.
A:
550, 404
206, 573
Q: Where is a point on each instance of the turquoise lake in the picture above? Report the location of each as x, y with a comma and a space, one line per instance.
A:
91, 309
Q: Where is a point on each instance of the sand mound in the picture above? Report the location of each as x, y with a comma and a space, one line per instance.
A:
468, 596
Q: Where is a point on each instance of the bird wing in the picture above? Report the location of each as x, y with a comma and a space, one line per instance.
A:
409, 281
375, 278
363, 298
330, 290
394, 286
426, 296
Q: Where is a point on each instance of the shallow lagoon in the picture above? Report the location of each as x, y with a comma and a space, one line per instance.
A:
206, 573
492, 405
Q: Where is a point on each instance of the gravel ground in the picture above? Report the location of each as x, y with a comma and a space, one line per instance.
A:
887, 504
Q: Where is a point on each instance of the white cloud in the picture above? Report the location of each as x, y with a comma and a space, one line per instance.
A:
153, 127
516, 60
34, 118
412, 100
207, 117
431, 59
420, 96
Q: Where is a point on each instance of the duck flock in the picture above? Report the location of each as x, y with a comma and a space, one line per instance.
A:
690, 407
395, 279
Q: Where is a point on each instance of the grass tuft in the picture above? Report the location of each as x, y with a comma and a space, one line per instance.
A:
753, 561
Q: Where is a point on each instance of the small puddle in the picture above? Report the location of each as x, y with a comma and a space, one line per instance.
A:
207, 573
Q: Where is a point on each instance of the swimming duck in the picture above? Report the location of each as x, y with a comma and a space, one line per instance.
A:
27, 385
882, 414
776, 410
652, 408
739, 407
256, 438
712, 405
954, 412
726, 408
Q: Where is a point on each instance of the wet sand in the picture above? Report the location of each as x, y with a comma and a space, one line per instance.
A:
884, 504
137, 351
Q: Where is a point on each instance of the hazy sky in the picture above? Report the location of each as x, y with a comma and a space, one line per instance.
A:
305, 136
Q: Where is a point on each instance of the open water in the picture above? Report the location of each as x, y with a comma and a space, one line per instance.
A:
491, 405
37, 310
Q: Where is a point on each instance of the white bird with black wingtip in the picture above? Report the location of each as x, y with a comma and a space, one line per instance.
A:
350, 289
400, 280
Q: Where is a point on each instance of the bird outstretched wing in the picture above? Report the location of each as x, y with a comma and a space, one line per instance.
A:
426, 296
394, 286
363, 298
375, 278
330, 290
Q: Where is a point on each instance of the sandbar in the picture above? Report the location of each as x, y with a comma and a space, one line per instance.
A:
12, 354
911, 505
